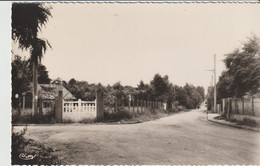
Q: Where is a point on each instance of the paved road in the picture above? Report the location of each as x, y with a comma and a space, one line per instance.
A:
184, 138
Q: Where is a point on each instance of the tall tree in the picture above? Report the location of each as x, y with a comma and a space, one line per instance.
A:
201, 91
27, 20
243, 68
160, 86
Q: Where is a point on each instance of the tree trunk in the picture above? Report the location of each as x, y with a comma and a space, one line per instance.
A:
35, 90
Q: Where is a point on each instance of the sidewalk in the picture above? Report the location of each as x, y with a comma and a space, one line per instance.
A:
212, 118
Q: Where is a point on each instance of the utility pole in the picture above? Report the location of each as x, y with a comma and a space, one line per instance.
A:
215, 88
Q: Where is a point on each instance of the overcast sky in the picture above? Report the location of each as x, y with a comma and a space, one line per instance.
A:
107, 43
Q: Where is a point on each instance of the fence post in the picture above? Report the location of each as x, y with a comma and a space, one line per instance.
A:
236, 106
100, 105
153, 106
133, 107
145, 105
230, 108
129, 104
223, 106
40, 106
79, 108
123, 104
253, 106
58, 108
23, 100
141, 104
137, 106
115, 105
243, 107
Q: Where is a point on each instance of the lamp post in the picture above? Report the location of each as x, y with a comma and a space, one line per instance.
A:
17, 97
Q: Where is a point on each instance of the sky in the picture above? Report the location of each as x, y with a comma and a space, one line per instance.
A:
129, 42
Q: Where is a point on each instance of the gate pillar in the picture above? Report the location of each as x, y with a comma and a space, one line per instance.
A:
100, 105
58, 107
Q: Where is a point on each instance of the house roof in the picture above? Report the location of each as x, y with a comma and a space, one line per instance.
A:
50, 91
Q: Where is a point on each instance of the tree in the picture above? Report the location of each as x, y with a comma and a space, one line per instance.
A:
201, 91
243, 70
210, 97
189, 95
181, 95
160, 87
27, 20
22, 76
224, 86
20, 79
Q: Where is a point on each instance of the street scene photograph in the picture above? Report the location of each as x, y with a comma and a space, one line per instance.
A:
135, 83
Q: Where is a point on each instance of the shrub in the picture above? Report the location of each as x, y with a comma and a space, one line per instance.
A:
48, 118
21, 145
181, 108
120, 115
88, 121
18, 144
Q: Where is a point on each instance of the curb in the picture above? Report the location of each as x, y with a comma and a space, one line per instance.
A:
236, 126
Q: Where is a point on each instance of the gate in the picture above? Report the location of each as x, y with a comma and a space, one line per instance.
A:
76, 111
79, 110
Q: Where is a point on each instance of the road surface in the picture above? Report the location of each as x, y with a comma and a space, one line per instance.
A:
183, 138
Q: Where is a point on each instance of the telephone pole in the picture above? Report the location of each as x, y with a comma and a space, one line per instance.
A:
215, 88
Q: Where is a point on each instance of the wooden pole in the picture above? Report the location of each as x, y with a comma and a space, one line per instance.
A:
35, 90
23, 101
215, 88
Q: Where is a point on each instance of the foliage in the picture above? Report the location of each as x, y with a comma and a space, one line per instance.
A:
159, 89
210, 97
18, 144
81, 89
22, 77
38, 119
21, 145
27, 20
189, 96
201, 91
242, 73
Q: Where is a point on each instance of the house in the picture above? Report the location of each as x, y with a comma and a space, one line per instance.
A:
46, 97
47, 94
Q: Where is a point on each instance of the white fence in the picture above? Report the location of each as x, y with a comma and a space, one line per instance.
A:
79, 110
